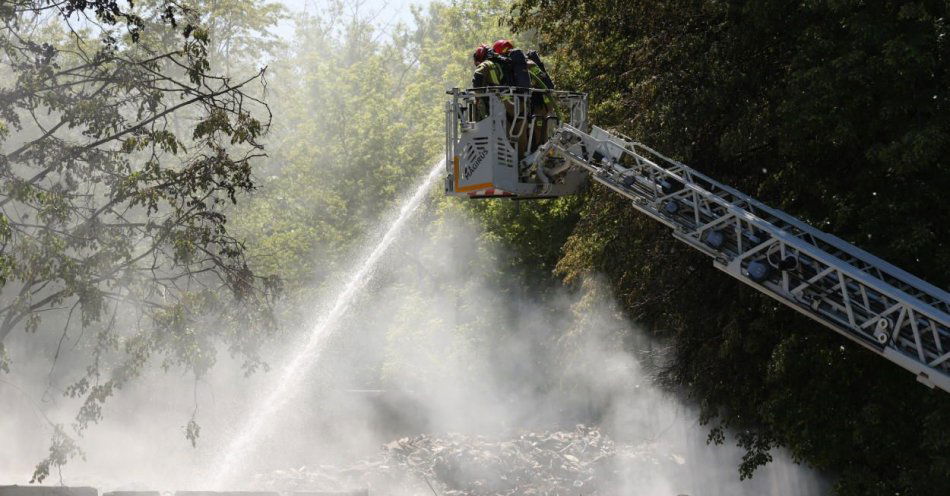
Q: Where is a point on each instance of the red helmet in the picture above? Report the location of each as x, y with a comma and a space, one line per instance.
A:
501, 47
481, 53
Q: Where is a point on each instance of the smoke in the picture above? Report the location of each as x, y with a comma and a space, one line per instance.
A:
470, 350
443, 340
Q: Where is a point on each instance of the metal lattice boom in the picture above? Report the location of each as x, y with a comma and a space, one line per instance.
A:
870, 301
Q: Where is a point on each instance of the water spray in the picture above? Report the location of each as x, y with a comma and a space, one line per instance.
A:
304, 359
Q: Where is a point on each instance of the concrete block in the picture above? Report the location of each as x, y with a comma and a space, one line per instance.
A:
362, 492
132, 493
226, 493
48, 491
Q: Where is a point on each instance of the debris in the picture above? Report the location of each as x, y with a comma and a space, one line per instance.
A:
578, 462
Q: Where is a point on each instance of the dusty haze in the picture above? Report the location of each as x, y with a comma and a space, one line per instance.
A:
442, 341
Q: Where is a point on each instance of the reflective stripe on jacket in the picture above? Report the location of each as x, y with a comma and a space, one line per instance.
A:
538, 83
492, 73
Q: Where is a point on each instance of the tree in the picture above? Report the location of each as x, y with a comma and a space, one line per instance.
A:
833, 111
361, 119
111, 213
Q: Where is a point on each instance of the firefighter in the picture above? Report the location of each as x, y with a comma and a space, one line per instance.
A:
488, 71
492, 70
542, 104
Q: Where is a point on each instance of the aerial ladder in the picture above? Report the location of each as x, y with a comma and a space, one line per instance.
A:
875, 304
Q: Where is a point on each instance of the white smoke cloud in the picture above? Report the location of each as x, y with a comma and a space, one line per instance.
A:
442, 341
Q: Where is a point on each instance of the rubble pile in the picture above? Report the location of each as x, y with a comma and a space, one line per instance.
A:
534, 463
581, 461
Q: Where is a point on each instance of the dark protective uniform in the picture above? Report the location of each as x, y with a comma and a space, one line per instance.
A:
491, 72
488, 73
542, 108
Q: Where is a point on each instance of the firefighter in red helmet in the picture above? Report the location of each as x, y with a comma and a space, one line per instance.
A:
502, 47
542, 104
488, 70
494, 67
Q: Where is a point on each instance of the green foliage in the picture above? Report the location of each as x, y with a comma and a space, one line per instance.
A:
62, 448
361, 120
123, 153
141, 213
833, 111
192, 431
533, 231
